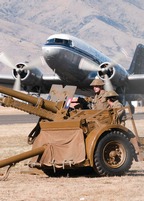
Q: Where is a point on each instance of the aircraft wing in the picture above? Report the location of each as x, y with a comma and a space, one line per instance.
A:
51, 79
7, 80
47, 81
135, 84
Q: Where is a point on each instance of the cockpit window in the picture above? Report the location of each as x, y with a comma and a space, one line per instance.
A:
59, 41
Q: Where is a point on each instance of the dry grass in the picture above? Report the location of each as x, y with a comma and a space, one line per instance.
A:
21, 187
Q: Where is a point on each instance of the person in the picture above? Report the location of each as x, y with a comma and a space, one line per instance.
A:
113, 102
99, 102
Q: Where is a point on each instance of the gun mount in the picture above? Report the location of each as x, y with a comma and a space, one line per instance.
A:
66, 138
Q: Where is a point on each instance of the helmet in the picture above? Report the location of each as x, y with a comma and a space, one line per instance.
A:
97, 82
110, 94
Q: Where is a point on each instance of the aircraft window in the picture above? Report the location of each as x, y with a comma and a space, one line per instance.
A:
59, 41
50, 41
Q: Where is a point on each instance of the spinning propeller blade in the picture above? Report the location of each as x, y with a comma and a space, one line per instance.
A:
19, 68
108, 85
4, 59
104, 68
17, 83
88, 65
31, 65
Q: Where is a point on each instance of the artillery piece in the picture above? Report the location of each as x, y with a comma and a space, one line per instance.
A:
74, 138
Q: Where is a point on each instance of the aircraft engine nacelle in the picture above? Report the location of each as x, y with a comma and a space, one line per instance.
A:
116, 74
29, 76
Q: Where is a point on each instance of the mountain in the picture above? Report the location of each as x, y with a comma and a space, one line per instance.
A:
108, 25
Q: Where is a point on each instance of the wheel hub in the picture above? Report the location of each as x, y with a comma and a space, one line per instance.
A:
114, 154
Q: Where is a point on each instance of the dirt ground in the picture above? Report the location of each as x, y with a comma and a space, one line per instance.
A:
66, 187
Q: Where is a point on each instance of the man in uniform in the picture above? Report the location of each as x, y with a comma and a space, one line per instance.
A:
113, 102
99, 102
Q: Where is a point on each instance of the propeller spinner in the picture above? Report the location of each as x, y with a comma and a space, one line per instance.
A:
105, 73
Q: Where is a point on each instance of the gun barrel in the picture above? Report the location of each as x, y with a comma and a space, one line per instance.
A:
22, 156
49, 105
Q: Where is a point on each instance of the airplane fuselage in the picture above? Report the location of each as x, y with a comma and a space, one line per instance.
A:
67, 55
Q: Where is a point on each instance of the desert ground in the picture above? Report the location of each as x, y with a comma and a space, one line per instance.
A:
20, 186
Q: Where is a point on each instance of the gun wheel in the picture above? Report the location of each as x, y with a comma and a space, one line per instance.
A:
114, 155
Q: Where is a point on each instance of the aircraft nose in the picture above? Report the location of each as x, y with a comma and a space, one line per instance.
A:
50, 52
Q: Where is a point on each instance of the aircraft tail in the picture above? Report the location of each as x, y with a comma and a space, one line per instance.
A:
137, 64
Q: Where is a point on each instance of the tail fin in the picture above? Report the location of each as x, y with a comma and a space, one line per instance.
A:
137, 64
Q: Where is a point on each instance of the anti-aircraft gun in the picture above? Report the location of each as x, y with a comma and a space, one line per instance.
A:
73, 138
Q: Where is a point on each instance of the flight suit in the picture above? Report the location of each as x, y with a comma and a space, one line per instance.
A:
99, 102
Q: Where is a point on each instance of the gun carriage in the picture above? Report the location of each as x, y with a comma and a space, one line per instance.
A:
65, 138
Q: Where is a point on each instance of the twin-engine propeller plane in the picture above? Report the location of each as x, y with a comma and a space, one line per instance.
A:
74, 62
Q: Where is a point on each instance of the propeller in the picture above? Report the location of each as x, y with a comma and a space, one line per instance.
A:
108, 85
105, 69
17, 83
37, 62
88, 65
19, 68
4, 59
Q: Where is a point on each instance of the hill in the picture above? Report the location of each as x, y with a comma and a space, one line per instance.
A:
108, 25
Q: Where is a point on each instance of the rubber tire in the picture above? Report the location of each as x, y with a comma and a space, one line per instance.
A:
104, 149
